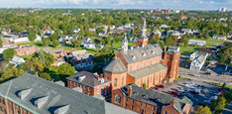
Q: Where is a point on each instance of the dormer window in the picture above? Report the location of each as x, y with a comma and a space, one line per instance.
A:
102, 81
143, 54
152, 52
133, 57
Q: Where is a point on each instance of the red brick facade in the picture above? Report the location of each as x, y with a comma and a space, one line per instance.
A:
8, 107
25, 50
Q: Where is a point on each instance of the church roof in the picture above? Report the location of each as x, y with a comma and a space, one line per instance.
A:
142, 53
116, 66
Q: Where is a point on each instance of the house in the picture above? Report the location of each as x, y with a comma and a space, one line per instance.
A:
142, 101
29, 94
219, 37
112, 27
229, 34
223, 19
143, 64
89, 44
63, 38
25, 50
163, 26
91, 29
157, 32
91, 83
75, 30
187, 31
198, 60
82, 60
17, 61
175, 34
197, 42
58, 54
128, 25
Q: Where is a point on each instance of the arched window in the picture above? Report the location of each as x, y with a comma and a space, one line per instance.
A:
122, 80
117, 99
115, 82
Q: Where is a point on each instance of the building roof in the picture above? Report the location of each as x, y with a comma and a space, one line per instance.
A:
148, 70
173, 49
79, 52
155, 98
88, 78
16, 60
141, 53
116, 66
56, 97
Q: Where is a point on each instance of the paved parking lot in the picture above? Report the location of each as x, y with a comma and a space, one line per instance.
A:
205, 95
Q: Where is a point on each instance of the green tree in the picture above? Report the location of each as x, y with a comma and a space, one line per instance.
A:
1, 41
144, 86
168, 41
55, 43
153, 41
54, 37
45, 58
8, 54
203, 110
66, 69
219, 104
45, 41
76, 43
45, 76
11, 73
31, 36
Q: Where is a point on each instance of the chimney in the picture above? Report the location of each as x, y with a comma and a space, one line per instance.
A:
101, 75
97, 77
129, 90
172, 103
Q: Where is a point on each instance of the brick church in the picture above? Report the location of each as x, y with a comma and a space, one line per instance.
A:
145, 65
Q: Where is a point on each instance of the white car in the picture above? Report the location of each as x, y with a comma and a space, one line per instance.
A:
197, 75
213, 98
207, 101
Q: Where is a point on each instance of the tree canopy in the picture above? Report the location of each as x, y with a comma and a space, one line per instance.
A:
8, 54
31, 36
45, 76
203, 110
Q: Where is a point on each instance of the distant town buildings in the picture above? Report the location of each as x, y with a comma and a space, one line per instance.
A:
158, 10
182, 16
222, 9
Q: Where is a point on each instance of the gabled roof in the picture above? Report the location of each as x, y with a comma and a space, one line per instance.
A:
89, 79
155, 98
141, 53
58, 97
116, 66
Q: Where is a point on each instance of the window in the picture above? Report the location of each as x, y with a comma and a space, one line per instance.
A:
132, 107
122, 80
89, 88
126, 104
115, 82
165, 112
97, 88
153, 108
71, 82
88, 93
84, 87
117, 99
1, 109
74, 84
126, 99
132, 101
145, 105
144, 80
141, 104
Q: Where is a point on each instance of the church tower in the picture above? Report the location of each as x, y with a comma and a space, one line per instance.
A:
124, 43
142, 40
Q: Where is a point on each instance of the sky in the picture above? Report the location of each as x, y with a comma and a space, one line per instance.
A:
120, 4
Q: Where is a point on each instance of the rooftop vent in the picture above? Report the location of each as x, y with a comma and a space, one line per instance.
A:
22, 94
41, 101
61, 110
145, 96
81, 78
136, 93
143, 54
133, 57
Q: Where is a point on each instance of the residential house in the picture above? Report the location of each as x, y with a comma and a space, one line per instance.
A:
156, 32
17, 61
29, 94
63, 38
91, 83
223, 19
144, 101
58, 55
112, 27
187, 31
25, 50
163, 26
219, 37
75, 30
89, 44
47, 31
175, 34
229, 34
82, 60
198, 60
128, 25
197, 42
91, 29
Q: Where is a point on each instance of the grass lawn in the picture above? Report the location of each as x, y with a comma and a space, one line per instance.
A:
36, 44
118, 45
188, 49
25, 57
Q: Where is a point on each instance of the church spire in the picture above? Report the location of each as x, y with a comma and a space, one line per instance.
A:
142, 39
125, 43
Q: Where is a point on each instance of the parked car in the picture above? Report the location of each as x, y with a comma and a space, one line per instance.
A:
194, 91
189, 95
181, 89
207, 102
160, 86
174, 93
217, 93
197, 75
213, 98
226, 88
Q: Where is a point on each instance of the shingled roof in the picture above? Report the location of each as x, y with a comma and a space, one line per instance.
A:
89, 79
116, 66
155, 98
55, 97
141, 53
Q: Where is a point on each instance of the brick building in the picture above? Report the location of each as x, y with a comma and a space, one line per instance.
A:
145, 64
91, 84
145, 101
25, 50
29, 94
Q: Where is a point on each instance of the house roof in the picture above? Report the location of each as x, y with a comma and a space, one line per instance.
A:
116, 66
88, 79
79, 52
148, 70
56, 95
141, 53
16, 59
173, 49
155, 98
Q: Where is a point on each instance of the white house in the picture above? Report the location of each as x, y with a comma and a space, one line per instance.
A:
156, 32
198, 60
19, 39
89, 44
163, 26
38, 38
129, 25
219, 37
17, 60
196, 42
174, 33
75, 30
186, 31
